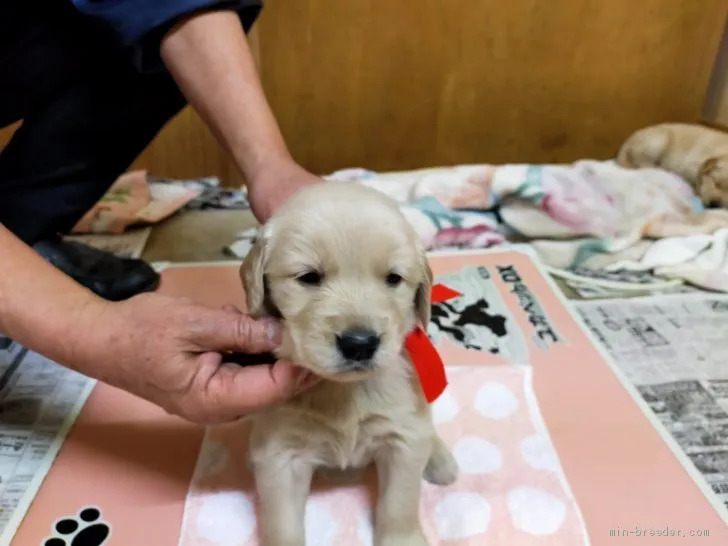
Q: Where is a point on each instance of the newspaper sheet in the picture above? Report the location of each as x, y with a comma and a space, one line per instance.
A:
674, 349
39, 401
591, 286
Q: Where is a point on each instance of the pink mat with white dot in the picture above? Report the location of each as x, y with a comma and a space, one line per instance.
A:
512, 489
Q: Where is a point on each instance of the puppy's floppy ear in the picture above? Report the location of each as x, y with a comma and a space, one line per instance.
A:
252, 273
708, 166
423, 296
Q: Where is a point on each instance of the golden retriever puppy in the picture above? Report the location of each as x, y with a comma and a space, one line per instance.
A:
347, 275
696, 153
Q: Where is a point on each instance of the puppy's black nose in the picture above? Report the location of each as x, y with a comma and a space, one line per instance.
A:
358, 345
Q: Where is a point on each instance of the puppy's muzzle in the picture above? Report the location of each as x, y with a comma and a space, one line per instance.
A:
358, 347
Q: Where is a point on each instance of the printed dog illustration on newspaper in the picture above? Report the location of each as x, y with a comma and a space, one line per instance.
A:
349, 278
477, 319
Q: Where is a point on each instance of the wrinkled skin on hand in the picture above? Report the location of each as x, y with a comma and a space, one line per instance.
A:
170, 351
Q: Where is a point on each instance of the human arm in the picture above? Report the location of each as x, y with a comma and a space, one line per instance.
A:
165, 350
209, 57
202, 44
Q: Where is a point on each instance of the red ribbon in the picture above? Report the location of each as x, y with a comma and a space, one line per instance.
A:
426, 360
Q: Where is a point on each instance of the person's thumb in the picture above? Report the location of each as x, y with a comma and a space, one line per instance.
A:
236, 332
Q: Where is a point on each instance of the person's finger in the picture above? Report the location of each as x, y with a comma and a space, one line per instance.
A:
232, 391
230, 308
234, 332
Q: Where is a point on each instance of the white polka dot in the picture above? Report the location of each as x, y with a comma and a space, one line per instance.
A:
477, 456
495, 401
365, 530
212, 460
462, 515
445, 408
321, 528
226, 518
538, 452
535, 511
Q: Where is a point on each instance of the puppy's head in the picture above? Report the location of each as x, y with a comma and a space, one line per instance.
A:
713, 181
344, 270
644, 148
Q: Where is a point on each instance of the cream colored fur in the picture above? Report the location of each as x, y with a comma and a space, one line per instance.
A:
698, 154
354, 237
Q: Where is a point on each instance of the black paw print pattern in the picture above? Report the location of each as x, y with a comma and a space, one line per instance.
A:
84, 530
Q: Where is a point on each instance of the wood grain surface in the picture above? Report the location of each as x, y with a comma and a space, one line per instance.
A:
716, 104
408, 83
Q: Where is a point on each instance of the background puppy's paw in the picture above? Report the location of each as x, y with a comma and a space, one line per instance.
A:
442, 468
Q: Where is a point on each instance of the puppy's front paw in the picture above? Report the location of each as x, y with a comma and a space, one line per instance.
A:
442, 468
414, 538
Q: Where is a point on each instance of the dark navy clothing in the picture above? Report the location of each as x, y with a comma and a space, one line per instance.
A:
138, 25
86, 78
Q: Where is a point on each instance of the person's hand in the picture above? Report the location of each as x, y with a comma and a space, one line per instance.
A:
170, 351
274, 185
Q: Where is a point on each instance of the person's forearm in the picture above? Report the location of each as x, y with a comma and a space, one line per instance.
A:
40, 307
209, 57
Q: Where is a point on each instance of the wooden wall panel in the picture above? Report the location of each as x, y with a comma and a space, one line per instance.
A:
6, 133
395, 84
185, 148
409, 83
716, 105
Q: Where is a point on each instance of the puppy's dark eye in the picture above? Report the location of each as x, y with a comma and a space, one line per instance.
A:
393, 279
312, 278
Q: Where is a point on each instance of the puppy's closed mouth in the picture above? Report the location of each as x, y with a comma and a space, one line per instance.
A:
357, 366
355, 369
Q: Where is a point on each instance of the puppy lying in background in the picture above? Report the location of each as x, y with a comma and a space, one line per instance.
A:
696, 153
347, 274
